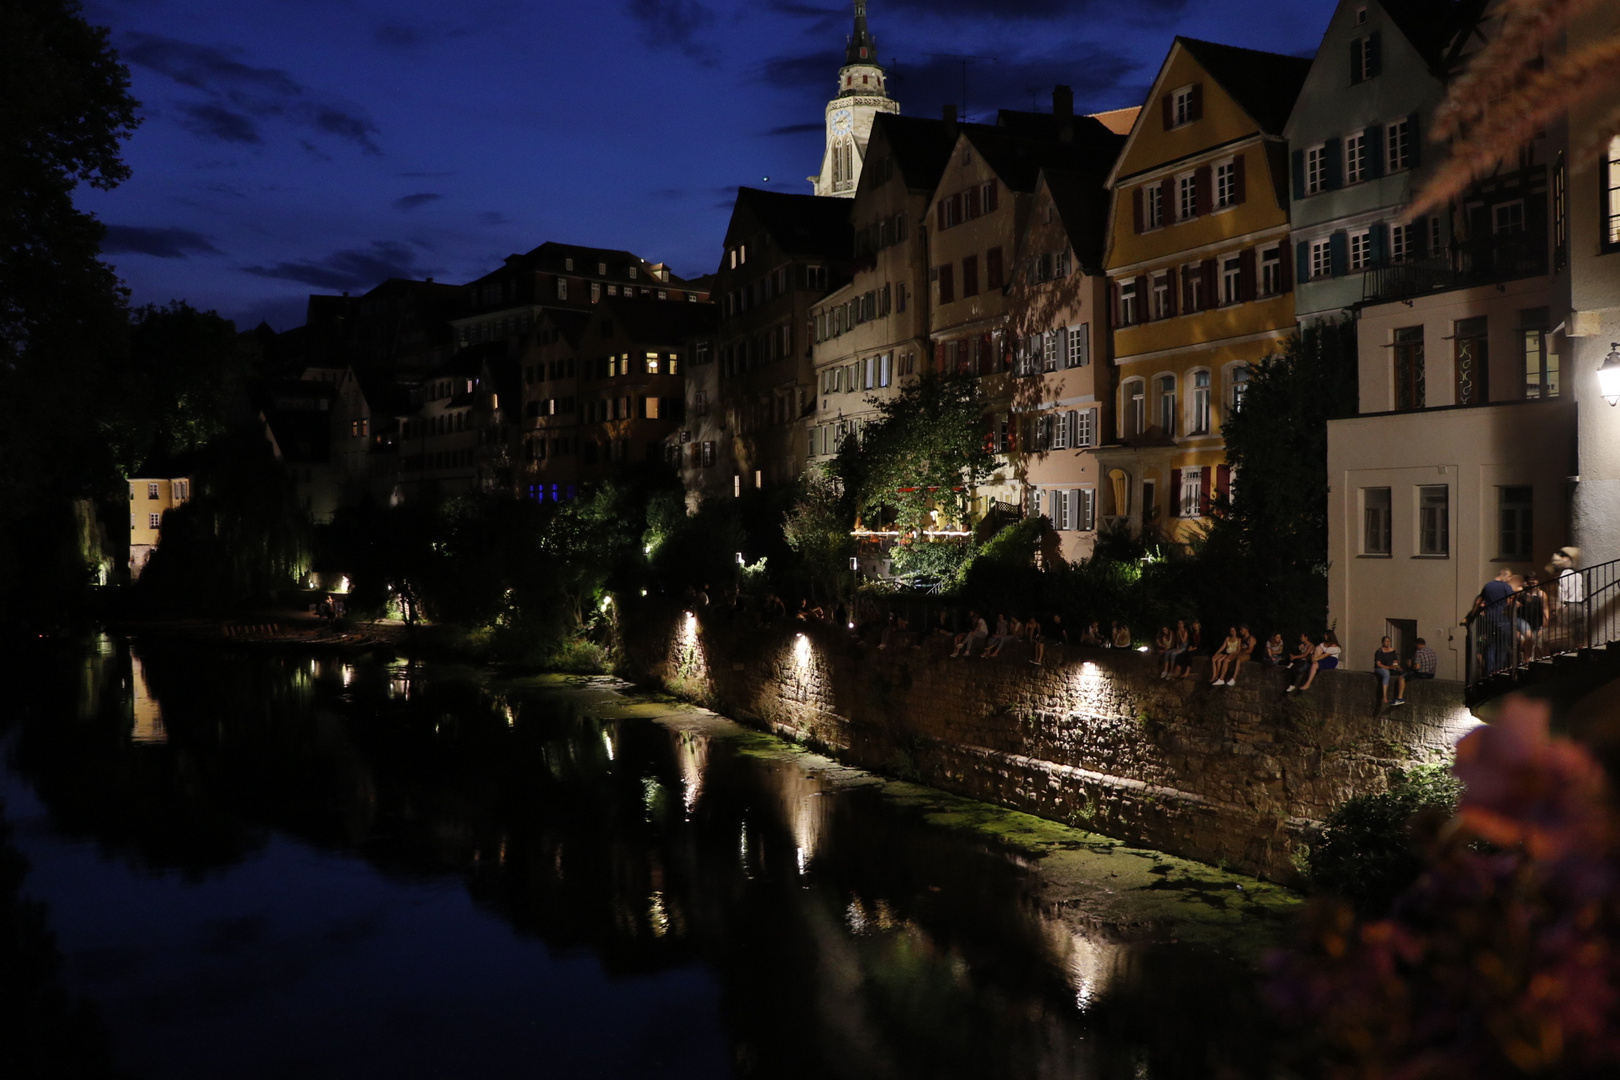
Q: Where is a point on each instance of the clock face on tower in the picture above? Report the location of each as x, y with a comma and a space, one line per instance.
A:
841, 121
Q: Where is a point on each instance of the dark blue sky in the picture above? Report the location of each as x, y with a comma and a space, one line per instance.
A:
297, 146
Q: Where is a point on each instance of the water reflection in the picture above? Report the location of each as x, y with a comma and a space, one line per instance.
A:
847, 938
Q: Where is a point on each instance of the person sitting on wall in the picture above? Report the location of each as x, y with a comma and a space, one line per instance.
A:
1276, 651
1056, 634
1178, 645
1121, 637
1424, 662
1225, 654
1245, 653
1092, 634
1004, 635
1303, 662
1163, 641
976, 635
1195, 641
1387, 665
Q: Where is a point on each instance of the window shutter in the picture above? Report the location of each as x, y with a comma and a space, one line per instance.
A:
1204, 492
1175, 492
1223, 482
939, 356
1299, 174
1076, 436
1378, 243
1373, 147
1094, 435
1142, 299
1203, 190
1195, 107
1141, 219
1169, 105
1113, 302
1416, 157
987, 361
1375, 54
1246, 276
1171, 284
939, 214
1167, 199
1302, 261
1355, 61
1240, 186
1333, 153
1186, 292
1211, 282
1339, 253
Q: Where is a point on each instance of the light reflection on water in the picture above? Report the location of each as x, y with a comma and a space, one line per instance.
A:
702, 912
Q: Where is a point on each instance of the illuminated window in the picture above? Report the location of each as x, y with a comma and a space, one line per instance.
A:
1192, 493
152, 520
652, 363
151, 491
1611, 195
1200, 403
1398, 145
1315, 169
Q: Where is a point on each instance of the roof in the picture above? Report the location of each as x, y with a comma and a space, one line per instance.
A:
1433, 26
817, 225
921, 147
570, 323
1264, 84
1082, 203
552, 257
168, 466
1018, 161
661, 323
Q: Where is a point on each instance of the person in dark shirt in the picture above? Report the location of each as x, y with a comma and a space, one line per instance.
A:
1497, 614
1387, 663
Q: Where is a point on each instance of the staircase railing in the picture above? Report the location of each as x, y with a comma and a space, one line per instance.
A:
1575, 612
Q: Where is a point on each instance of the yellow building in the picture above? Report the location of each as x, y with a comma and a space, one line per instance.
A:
150, 497
1198, 264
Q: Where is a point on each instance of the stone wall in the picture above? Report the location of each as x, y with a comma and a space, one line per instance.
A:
1093, 737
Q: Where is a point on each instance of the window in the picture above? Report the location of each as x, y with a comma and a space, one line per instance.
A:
707, 460
1315, 169
885, 368
1086, 509
1152, 206
1355, 157
1402, 242
1232, 280
1515, 508
1085, 427
1271, 271
1127, 303
1507, 218
1409, 389
1560, 210
152, 520
992, 270
1375, 508
1186, 197
151, 491
1398, 144
1135, 408
1240, 387
1365, 57
1434, 520
1200, 404
1469, 340
1360, 250
1611, 196
1321, 259
562, 288
1540, 355
1167, 404
1183, 108
1191, 496
1226, 184
1079, 351
1062, 510
1193, 277
652, 363
1161, 296
1049, 351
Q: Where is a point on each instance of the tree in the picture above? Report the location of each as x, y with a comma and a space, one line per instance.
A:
1520, 83
1264, 559
925, 450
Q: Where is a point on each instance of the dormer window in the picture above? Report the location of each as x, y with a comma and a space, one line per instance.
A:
1366, 58
568, 264
1186, 109
601, 269
632, 273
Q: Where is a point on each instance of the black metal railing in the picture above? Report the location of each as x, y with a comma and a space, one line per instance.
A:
1569, 615
1481, 261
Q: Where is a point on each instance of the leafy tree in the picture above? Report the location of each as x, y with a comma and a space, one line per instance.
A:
182, 379
817, 529
926, 449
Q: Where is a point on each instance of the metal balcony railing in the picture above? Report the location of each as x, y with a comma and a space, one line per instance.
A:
1574, 614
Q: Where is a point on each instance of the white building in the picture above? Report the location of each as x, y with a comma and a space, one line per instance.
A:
862, 94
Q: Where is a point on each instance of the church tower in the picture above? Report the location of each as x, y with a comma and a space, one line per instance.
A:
862, 94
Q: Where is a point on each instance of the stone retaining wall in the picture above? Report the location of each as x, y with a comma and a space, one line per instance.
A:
1093, 738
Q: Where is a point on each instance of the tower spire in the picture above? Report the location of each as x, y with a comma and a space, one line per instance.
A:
862, 46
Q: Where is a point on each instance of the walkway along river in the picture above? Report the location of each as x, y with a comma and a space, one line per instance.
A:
278, 866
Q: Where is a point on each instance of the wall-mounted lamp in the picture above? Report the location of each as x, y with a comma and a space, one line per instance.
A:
1609, 375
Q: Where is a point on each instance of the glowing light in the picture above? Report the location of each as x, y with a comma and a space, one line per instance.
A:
348, 674
643, 592
607, 602
1141, 648
343, 584
607, 741
801, 651
656, 915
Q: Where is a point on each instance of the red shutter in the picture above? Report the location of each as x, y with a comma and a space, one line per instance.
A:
1175, 492
939, 357
1195, 108
1204, 492
987, 356
1223, 482
1212, 281
1167, 199
1136, 200
1171, 285
1240, 185
1246, 277
1142, 286
1169, 112
1203, 189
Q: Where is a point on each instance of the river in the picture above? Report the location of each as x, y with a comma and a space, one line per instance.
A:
277, 866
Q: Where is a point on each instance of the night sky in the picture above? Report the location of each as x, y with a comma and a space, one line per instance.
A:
298, 146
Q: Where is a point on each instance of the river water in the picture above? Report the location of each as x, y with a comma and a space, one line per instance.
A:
255, 866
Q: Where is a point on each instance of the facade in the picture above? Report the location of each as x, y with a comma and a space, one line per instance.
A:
457, 438
872, 334
782, 254
862, 97
151, 495
1200, 276
1357, 151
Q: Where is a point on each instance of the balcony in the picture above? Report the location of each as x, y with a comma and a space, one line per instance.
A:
1483, 261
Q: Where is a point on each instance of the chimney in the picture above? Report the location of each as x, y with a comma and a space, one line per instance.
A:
1063, 109
950, 120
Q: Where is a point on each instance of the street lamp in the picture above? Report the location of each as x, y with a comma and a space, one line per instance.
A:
1609, 375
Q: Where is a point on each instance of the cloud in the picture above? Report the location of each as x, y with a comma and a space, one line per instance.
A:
796, 129
493, 217
219, 124
421, 198
399, 35
239, 96
164, 243
352, 269
674, 24
1033, 9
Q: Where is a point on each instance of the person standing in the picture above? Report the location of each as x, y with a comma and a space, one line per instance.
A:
1571, 597
1496, 619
